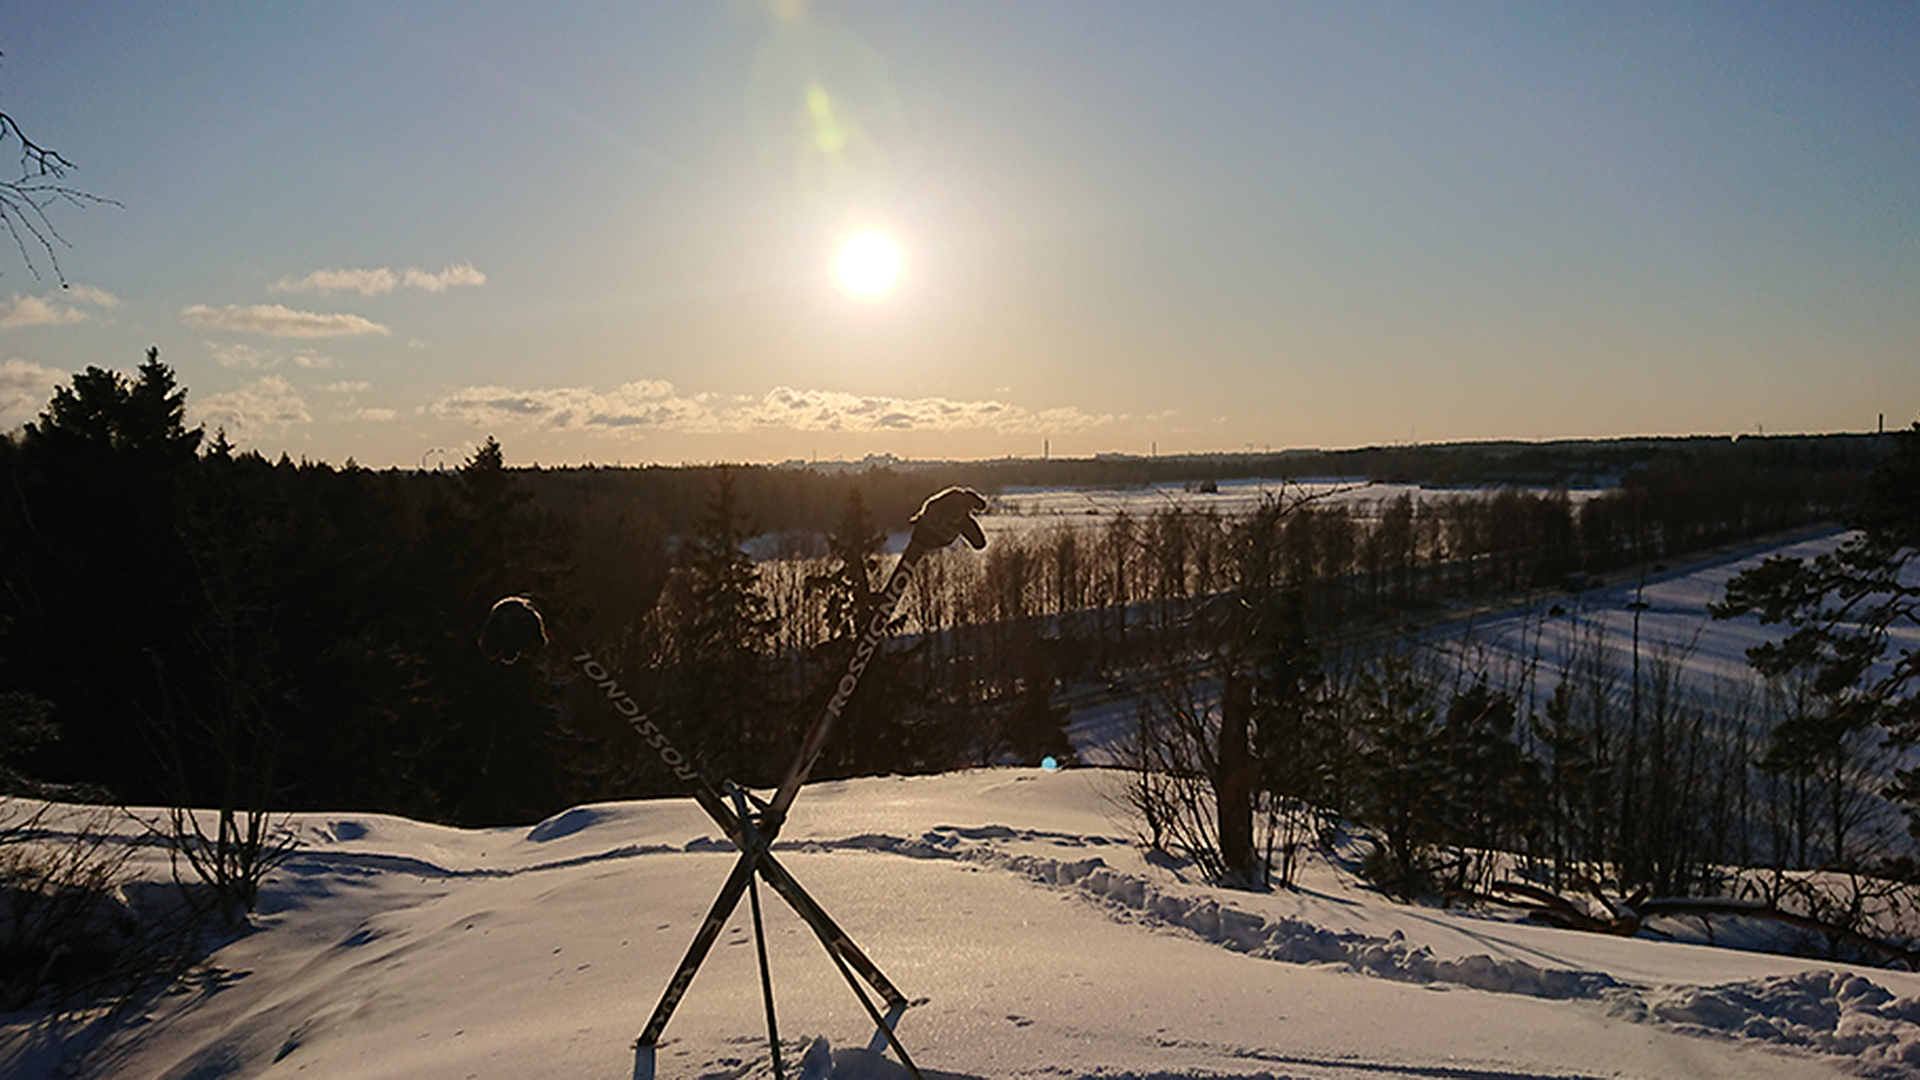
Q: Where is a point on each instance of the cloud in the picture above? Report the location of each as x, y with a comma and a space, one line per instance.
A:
379, 279
34, 311
243, 357
56, 310
266, 406
648, 403
462, 274
87, 294
830, 410
654, 405
364, 282
25, 390
277, 321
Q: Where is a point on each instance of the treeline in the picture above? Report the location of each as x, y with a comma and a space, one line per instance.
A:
1121, 594
798, 498
1571, 463
181, 622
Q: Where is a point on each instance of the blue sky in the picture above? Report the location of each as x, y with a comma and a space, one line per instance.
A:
603, 233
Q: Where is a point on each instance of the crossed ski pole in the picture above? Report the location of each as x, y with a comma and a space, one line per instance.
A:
516, 628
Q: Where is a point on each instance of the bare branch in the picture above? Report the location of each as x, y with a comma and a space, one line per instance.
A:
24, 202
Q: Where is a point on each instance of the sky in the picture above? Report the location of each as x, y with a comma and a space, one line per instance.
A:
606, 233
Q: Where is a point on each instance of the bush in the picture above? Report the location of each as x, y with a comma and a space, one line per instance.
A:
65, 925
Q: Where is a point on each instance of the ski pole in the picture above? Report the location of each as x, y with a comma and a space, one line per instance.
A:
942, 518
516, 628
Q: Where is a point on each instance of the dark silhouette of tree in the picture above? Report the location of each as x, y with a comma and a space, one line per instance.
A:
1572, 790
1035, 729
488, 734
718, 690
878, 731
1489, 790
853, 551
1841, 609
1299, 745
1400, 774
99, 578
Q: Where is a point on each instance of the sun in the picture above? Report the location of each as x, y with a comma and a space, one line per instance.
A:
868, 264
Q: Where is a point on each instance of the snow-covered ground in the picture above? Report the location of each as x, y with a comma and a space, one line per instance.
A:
1534, 643
1021, 509
1045, 943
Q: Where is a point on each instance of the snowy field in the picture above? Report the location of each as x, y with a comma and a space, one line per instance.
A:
1533, 643
1021, 509
1045, 944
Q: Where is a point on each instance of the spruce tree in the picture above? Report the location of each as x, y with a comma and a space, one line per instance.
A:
100, 583
722, 626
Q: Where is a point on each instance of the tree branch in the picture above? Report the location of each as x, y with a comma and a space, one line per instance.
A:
24, 202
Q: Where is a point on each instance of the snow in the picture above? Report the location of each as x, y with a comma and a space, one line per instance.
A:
1045, 943
1021, 509
1532, 644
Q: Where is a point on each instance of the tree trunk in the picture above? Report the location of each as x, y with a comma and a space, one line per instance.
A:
1233, 785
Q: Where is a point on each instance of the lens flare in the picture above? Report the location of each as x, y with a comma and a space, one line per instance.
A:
868, 264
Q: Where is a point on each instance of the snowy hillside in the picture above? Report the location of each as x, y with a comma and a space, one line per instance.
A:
1045, 944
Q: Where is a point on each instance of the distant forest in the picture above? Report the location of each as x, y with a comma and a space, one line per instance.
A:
185, 623
796, 497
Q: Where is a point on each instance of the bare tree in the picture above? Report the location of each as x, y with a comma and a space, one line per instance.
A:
24, 202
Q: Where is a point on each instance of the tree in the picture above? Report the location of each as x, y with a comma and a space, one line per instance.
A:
877, 735
495, 747
1400, 773
99, 575
1490, 790
1843, 611
719, 690
853, 551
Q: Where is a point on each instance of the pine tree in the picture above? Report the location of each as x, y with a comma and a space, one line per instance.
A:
1842, 610
484, 736
720, 690
1400, 774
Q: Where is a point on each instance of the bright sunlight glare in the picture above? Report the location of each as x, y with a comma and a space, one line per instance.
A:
868, 264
